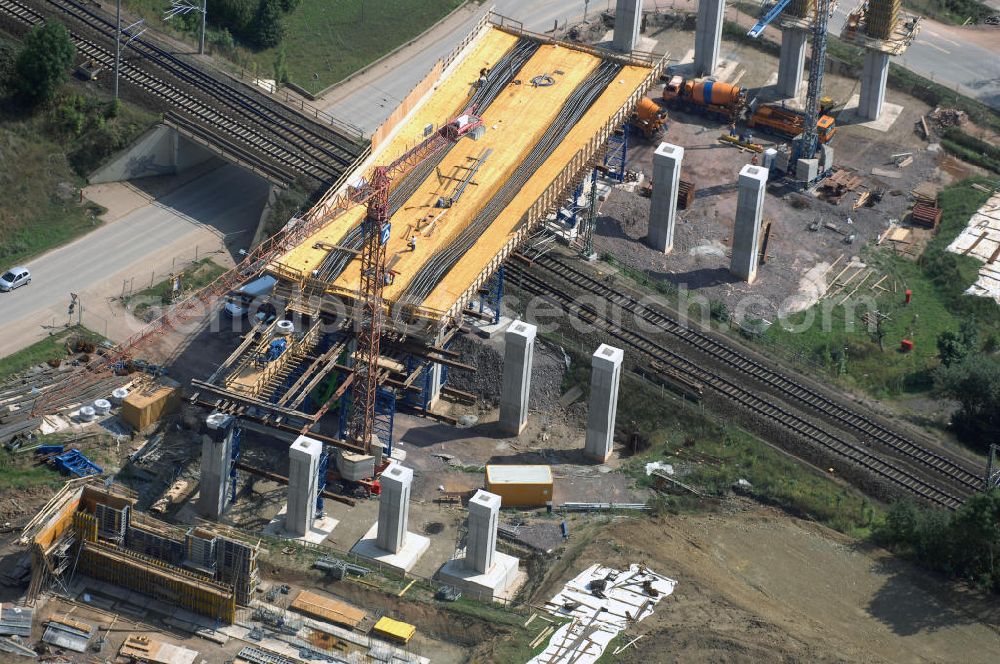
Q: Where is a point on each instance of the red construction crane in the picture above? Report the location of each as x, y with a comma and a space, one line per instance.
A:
376, 228
255, 263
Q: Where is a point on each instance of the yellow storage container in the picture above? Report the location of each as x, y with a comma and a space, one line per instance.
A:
520, 486
146, 407
394, 630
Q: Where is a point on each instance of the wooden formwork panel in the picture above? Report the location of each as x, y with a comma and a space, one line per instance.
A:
538, 196
447, 101
514, 124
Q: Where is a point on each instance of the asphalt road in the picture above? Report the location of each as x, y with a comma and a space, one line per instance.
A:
945, 54
939, 53
369, 105
225, 201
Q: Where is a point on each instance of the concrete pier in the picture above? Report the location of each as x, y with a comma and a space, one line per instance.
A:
394, 508
746, 230
708, 36
216, 457
628, 20
663, 203
519, 349
606, 371
873, 77
484, 516
483, 570
791, 64
303, 483
388, 542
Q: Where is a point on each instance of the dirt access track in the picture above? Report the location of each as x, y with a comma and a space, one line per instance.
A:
754, 585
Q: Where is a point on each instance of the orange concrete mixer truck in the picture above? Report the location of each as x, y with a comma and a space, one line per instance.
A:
713, 98
731, 104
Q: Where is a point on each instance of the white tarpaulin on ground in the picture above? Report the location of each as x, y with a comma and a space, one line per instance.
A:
981, 240
595, 620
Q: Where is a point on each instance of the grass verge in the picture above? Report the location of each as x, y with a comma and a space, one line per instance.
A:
192, 278
841, 344
324, 42
50, 348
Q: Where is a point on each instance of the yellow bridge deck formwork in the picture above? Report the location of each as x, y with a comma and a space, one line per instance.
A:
514, 122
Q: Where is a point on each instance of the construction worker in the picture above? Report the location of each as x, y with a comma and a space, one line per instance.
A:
753, 160
732, 130
412, 243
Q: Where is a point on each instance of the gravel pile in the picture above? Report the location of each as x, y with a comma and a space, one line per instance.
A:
487, 356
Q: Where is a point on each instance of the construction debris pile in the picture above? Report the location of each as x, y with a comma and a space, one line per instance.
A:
600, 602
948, 117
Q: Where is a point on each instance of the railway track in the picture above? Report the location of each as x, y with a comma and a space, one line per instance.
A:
284, 143
782, 417
796, 392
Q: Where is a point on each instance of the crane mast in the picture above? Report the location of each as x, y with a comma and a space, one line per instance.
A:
369, 309
817, 64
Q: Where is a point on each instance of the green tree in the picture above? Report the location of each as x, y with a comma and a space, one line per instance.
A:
44, 62
268, 27
951, 350
289, 5
968, 331
975, 384
236, 15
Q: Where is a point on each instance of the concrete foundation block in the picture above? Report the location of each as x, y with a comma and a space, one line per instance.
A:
402, 560
806, 170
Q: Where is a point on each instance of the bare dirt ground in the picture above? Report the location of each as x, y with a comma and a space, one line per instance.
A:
701, 254
755, 585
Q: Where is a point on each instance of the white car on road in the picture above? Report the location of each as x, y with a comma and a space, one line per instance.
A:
14, 278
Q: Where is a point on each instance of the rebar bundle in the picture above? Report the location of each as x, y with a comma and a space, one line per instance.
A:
881, 18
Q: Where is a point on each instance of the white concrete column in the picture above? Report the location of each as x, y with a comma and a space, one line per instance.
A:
663, 203
746, 229
792, 62
708, 36
628, 20
519, 350
216, 455
394, 508
481, 545
873, 77
606, 371
303, 484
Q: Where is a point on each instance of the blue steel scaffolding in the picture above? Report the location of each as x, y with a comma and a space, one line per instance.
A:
571, 214
491, 295
234, 458
385, 417
616, 154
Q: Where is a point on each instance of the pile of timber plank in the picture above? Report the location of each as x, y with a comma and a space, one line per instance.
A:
685, 194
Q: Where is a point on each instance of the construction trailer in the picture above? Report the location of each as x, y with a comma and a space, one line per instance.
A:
95, 531
548, 110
